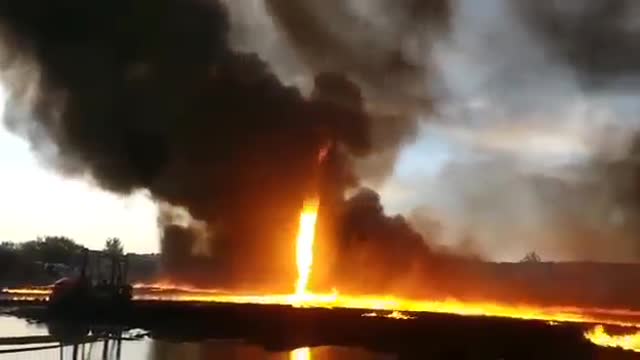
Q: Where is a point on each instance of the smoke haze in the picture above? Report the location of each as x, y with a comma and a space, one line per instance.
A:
539, 109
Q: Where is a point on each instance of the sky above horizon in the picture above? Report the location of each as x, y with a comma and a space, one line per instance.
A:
35, 201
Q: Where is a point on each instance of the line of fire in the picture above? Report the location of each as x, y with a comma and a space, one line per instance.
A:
97, 294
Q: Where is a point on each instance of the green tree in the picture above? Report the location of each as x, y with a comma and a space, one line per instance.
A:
8, 246
51, 249
114, 246
8, 256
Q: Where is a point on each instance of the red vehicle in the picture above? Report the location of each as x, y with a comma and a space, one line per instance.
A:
97, 284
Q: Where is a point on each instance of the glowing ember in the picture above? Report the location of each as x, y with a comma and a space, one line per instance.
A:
301, 354
174, 288
304, 245
599, 336
394, 315
27, 292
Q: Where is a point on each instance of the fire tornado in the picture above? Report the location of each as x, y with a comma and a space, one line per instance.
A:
304, 244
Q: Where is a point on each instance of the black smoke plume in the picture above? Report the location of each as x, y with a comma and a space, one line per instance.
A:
385, 47
387, 247
148, 94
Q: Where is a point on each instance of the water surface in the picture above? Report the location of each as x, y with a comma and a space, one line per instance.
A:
150, 349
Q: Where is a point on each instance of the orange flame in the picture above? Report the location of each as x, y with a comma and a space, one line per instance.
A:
44, 291
393, 315
599, 336
304, 245
166, 286
384, 303
301, 354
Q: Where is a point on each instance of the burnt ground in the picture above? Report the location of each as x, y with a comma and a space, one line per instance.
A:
281, 328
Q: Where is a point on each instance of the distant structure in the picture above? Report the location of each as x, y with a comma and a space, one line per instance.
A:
531, 257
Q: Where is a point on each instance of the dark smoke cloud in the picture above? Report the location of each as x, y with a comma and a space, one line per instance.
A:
598, 38
376, 250
149, 95
347, 36
384, 46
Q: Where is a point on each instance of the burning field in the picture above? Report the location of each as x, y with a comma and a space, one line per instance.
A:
261, 133
625, 322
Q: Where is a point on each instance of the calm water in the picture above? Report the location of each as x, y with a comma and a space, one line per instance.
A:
149, 349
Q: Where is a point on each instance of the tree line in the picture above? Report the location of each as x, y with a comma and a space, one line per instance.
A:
52, 249
38, 262
35, 261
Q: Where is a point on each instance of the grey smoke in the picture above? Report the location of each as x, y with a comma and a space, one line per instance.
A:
541, 109
384, 46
